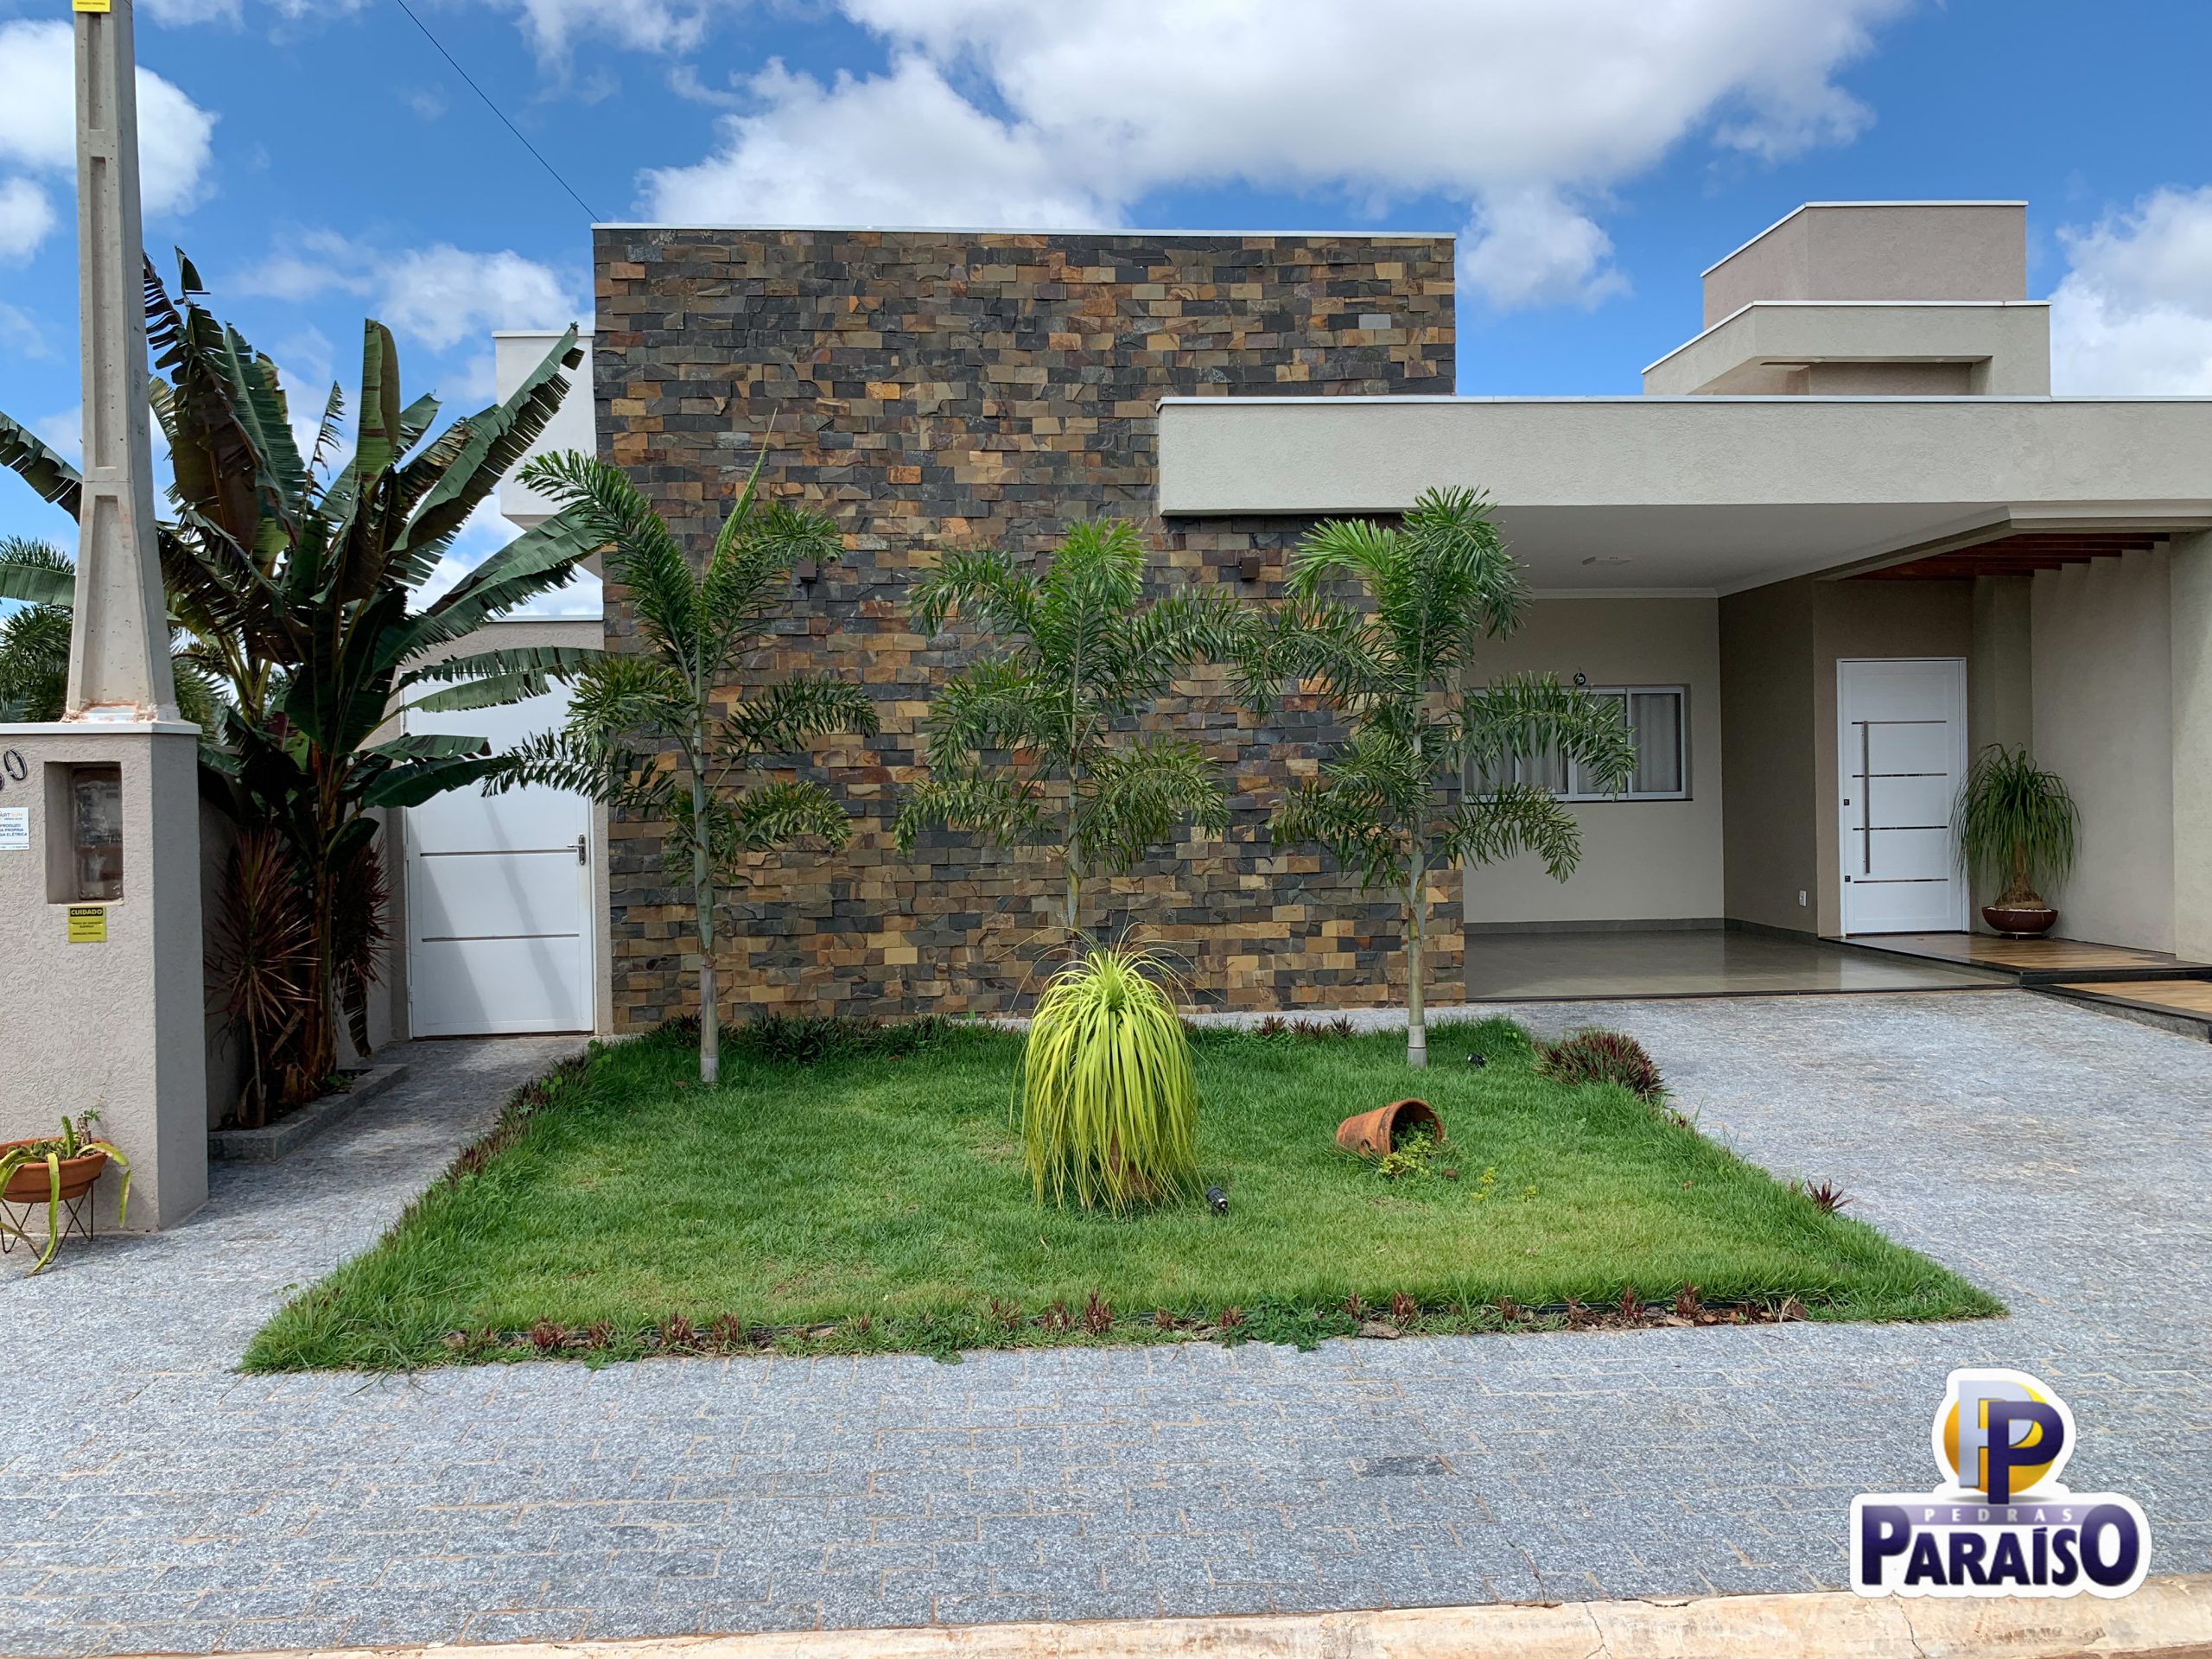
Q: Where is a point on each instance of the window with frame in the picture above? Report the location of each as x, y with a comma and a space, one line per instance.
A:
1658, 728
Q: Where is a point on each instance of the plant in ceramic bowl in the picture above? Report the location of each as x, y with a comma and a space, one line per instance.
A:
2016, 826
55, 1169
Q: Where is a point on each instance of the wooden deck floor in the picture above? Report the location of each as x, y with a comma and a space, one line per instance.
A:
2191, 997
2045, 958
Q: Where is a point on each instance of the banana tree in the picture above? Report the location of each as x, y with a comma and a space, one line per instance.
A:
1394, 802
298, 577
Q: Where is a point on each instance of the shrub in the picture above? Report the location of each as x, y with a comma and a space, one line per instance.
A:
1601, 1057
804, 1039
1109, 1100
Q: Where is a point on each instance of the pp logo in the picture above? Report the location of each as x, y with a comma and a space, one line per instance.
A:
2000, 1523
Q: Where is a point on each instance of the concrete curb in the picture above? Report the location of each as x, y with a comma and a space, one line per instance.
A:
2167, 1617
267, 1145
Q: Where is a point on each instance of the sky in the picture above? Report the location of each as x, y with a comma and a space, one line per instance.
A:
322, 160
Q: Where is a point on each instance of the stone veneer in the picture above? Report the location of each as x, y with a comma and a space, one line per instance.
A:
932, 390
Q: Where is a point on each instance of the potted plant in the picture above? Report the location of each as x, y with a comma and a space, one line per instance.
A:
2016, 824
54, 1170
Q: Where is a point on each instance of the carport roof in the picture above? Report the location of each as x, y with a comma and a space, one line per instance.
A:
1705, 494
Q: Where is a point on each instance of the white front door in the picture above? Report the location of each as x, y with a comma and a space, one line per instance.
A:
499, 934
1901, 747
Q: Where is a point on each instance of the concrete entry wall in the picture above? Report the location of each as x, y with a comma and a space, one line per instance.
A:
933, 389
2104, 722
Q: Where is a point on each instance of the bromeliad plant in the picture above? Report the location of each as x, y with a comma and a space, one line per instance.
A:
75, 1140
1392, 802
655, 731
1029, 744
1108, 1097
2016, 825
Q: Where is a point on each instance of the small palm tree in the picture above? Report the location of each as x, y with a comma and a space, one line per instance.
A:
1391, 802
1029, 746
2016, 826
34, 640
634, 713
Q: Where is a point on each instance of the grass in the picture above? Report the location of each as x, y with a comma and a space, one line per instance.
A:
878, 1201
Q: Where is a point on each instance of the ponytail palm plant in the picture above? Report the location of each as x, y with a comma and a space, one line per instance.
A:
1392, 802
1030, 745
2016, 826
656, 731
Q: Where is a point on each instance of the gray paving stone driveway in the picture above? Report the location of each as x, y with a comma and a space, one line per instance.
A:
151, 1498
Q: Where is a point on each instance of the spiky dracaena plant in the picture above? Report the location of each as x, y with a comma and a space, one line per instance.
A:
1107, 1094
2016, 824
656, 731
1392, 801
1028, 745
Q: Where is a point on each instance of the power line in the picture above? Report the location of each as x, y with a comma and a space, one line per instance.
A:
494, 108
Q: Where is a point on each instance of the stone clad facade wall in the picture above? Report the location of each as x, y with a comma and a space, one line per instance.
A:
932, 390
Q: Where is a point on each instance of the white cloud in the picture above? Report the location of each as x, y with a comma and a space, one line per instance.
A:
1529, 248
1010, 111
439, 295
902, 149
180, 13
20, 332
65, 430
26, 216
641, 25
2134, 313
38, 133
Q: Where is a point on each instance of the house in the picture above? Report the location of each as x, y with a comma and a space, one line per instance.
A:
1844, 537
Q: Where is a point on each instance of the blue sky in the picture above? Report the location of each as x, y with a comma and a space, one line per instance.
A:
320, 160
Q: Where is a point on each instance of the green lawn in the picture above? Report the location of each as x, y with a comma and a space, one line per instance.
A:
878, 1202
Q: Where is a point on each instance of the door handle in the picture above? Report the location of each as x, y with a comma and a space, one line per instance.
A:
583, 849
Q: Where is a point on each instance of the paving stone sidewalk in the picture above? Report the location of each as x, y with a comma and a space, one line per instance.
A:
153, 1499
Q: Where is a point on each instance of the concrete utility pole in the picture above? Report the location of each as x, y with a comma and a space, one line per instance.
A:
118, 650
101, 1005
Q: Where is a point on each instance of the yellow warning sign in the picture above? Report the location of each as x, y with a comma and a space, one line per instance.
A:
88, 924
88, 5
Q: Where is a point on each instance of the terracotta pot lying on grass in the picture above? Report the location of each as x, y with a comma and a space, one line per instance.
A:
33, 1184
1372, 1134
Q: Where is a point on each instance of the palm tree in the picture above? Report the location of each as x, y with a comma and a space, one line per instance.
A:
295, 579
1392, 801
634, 713
34, 640
1028, 745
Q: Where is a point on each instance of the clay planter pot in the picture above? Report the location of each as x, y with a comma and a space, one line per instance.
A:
1373, 1133
2020, 921
33, 1184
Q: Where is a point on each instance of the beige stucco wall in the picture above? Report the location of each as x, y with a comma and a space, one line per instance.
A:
1878, 250
2190, 591
1642, 860
1991, 347
2104, 722
119, 1025
1768, 854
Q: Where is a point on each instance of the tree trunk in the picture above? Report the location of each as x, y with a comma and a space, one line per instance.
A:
702, 906
1416, 964
1075, 900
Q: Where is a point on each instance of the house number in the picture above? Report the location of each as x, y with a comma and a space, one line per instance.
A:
13, 767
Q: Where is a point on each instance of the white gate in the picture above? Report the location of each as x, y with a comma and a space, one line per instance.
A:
499, 934
1901, 748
